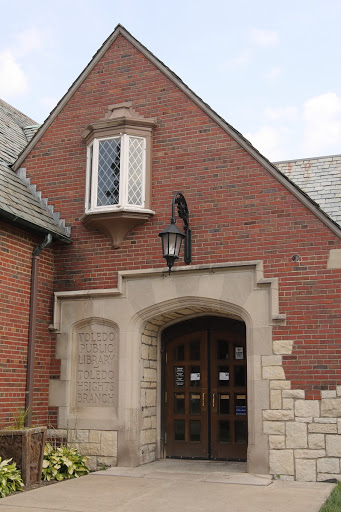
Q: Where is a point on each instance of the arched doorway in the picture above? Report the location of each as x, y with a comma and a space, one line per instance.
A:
204, 407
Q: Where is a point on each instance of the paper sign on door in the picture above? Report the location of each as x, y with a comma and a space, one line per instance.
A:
195, 376
239, 352
224, 376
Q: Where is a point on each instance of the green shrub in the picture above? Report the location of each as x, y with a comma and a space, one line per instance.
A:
333, 503
63, 463
10, 478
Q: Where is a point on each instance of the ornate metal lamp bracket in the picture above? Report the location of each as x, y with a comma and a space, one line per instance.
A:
180, 201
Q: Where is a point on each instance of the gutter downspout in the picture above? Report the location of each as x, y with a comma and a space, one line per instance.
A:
32, 329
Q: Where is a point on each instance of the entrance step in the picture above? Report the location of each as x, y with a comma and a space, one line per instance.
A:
193, 470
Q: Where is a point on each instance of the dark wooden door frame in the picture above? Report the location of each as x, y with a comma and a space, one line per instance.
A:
188, 326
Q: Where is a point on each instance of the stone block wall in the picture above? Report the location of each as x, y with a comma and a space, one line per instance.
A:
100, 446
148, 393
304, 435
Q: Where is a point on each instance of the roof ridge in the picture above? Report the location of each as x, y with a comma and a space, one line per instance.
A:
302, 159
13, 112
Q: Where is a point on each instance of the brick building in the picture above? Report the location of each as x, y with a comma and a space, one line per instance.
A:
233, 356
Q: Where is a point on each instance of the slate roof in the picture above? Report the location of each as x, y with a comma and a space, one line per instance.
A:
19, 200
320, 178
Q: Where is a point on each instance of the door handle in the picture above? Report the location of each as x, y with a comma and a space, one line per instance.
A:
203, 399
213, 400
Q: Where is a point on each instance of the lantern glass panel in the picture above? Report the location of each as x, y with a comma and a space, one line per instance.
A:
172, 244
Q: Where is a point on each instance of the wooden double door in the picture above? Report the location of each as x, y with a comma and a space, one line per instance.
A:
205, 391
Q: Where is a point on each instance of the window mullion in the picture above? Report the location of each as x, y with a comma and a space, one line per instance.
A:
124, 169
144, 159
94, 184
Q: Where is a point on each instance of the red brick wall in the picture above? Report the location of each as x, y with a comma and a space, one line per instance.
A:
238, 210
16, 248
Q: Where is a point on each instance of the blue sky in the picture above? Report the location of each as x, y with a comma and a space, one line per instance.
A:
271, 68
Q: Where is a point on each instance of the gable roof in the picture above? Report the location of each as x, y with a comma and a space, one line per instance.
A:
19, 201
320, 178
237, 136
12, 132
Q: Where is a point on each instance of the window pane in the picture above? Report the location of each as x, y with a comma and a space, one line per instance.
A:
108, 172
239, 376
179, 376
195, 377
240, 404
195, 403
240, 428
135, 171
179, 403
195, 351
224, 404
223, 349
224, 432
194, 429
179, 353
179, 430
224, 376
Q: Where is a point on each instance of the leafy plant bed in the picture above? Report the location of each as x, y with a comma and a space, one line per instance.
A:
10, 478
63, 463
333, 503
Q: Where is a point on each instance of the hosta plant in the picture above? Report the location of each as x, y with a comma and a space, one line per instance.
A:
10, 477
63, 463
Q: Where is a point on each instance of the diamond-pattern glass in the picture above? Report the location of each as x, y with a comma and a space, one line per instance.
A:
108, 188
135, 171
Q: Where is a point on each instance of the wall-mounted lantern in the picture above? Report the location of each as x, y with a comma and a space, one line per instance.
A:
172, 236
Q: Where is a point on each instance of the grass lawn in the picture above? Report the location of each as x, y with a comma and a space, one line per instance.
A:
333, 503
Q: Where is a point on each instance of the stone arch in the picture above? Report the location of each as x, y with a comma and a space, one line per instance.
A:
152, 322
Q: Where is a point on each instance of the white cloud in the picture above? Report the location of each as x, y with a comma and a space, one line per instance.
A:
264, 37
289, 113
13, 81
269, 141
274, 73
322, 117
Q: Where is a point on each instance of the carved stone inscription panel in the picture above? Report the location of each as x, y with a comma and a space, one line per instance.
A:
97, 366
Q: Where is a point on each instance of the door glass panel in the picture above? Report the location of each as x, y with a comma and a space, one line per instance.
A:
239, 376
238, 353
179, 403
194, 430
195, 377
179, 353
224, 432
179, 376
195, 403
223, 376
240, 433
195, 351
222, 349
224, 403
240, 404
179, 430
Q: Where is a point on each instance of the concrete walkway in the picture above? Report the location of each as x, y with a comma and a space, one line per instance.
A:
172, 485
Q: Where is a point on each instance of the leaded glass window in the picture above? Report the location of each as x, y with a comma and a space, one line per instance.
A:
135, 172
116, 173
109, 161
